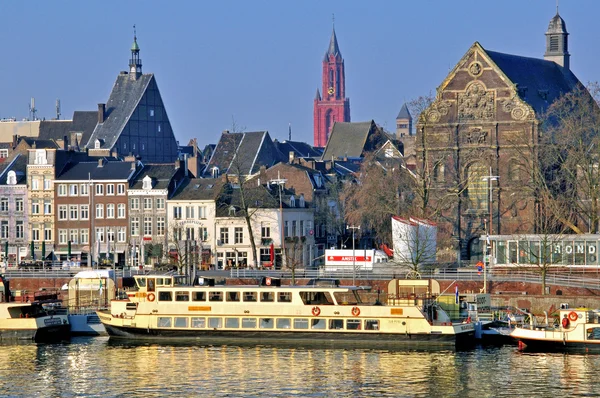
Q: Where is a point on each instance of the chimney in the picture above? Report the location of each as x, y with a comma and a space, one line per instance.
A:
101, 112
177, 164
15, 139
225, 131
133, 165
65, 142
101, 162
292, 156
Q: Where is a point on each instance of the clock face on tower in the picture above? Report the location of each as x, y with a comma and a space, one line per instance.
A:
331, 90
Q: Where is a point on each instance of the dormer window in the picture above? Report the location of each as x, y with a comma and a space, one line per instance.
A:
215, 172
147, 183
11, 179
389, 152
318, 180
301, 200
40, 157
292, 201
97, 144
232, 210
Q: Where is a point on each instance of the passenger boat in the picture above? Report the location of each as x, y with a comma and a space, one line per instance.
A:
30, 320
578, 330
163, 306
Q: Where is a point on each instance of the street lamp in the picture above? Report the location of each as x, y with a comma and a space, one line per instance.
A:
353, 228
488, 247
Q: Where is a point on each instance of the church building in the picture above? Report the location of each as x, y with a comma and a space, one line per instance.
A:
333, 106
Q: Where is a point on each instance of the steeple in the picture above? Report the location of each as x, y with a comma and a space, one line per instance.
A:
557, 42
135, 63
403, 123
333, 48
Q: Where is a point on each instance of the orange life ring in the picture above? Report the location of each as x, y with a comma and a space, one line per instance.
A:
268, 281
573, 316
316, 311
355, 311
151, 297
469, 319
565, 322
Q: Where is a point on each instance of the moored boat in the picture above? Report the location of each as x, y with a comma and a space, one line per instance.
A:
577, 330
164, 307
30, 320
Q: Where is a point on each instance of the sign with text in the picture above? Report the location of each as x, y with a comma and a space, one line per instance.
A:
484, 302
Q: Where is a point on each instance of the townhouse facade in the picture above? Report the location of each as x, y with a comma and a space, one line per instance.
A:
14, 213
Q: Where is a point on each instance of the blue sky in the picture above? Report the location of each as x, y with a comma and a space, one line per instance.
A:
258, 63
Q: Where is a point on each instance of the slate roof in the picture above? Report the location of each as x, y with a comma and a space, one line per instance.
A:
54, 129
300, 149
124, 97
333, 48
85, 170
243, 153
259, 196
17, 162
540, 82
404, 113
348, 139
160, 173
84, 122
198, 189
40, 143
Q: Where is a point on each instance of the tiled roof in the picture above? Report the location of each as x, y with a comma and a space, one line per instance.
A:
300, 149
198, 189
257, 196
124, 97
348, 139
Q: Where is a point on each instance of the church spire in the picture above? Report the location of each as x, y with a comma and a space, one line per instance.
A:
557, 42
135, 63
333, 48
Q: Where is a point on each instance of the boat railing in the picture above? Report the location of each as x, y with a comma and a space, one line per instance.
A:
84, 310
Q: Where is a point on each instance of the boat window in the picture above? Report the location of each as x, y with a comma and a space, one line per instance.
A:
346, 298
336, 324
593, 333
284, 323
353, 324
215, 296
163, 281
233, 296
164, 322
182, 296
266, 323
165, 296
250, 296
321, 298
141, 282
301, 323
318, 324
267, 296
284, 297
232, 322
198, 296
371, 324
150, 285
215, 322
198, 323
181, 322
249, 323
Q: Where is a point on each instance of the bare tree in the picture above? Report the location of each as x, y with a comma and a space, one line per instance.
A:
415, 245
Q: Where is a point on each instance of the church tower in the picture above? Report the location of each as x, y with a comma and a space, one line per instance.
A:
135, 63
333, 106
557, 42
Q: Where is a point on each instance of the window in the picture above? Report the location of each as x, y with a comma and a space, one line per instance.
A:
35, 207
151, 112
439, 173
85, 236
35, 233
47, 206
265, 232
294, 232
3, 153
301, 228
73, 189
215, 296
35, 184
249, 323
268, 297
100, 211
160, 226
47, 234
160, 204
284, 297
121, 189
110, 210
189, 212
62, 236
99, 234
286, 231
62, 212
177, 233
99, 189
318, 323
110, 189
73, 212
198, 296
20, 230
147, 226
47, 184
214, 323
336, 324
477, 187
300, 323
371, 324
74, 236
353, 324
284, 323
84, 189
181, 322
62, 188
165, 296
250, 297
147, 203
4, 230
224, 236
134, 203
202, 212
19, 205
232, 323
198, 323
266, 323
85, 212
135, 226
121, 234
110, 234
121, 210
177, 212
239, 235
3, 204
190, 233
203, 233
232, 296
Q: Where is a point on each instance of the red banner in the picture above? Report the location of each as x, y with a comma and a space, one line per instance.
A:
349, 258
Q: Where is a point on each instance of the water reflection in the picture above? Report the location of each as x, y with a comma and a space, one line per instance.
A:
103, 367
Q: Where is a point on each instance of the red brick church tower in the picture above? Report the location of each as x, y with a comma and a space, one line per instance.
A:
333, 106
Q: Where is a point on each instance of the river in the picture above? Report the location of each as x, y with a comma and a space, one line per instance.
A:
93, 367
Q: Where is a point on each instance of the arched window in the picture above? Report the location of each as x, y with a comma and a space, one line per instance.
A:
328, 123
301, 200
439, 173
514, 171
147, 183
477, 187
11, 179
292, 201
97, 144
215, 172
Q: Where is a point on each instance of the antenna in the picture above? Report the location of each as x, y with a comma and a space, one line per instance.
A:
290, 132
32, 110
57, 109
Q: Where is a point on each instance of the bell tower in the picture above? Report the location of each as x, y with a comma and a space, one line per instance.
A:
557, 42
135, 63
332, 106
